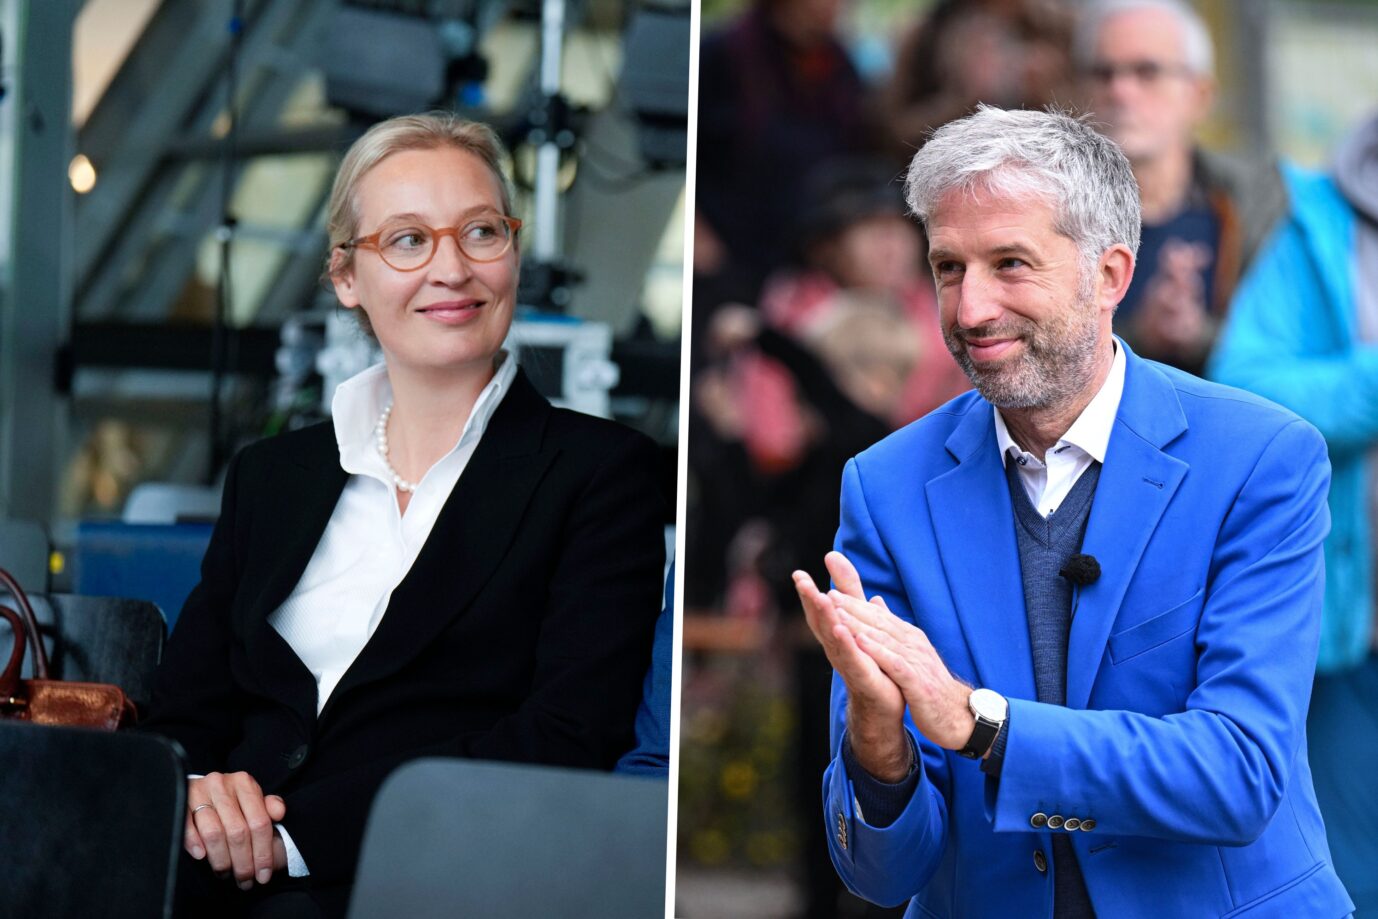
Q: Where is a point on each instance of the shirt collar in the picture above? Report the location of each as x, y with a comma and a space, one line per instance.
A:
1091, 431
359, 400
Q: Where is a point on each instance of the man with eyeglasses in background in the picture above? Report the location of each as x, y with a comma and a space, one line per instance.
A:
1146, 69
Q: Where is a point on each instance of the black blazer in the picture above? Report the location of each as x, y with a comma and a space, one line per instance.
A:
522, 631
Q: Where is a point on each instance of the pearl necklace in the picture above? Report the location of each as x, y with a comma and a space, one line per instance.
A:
380, 434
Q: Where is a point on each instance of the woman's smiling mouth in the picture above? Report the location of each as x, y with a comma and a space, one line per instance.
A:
452, 312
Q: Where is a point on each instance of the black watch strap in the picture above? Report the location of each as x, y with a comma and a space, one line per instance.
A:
981, 738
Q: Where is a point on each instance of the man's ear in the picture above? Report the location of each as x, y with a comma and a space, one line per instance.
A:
1114, 272
1203, 98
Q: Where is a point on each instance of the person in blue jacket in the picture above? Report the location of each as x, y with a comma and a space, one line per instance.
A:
651, 755
1303, 331
1080, 684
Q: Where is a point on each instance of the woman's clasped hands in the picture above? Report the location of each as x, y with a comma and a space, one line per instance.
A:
230, 824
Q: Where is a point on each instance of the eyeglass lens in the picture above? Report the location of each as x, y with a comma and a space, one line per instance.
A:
1145, 72
411, 245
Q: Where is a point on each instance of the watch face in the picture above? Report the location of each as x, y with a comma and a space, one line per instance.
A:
989, 705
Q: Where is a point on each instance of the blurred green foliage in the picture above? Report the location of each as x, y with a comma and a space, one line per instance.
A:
736, 806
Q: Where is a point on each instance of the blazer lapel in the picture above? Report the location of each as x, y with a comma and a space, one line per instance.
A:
470, 537
308, 489
1136, 485
973, 520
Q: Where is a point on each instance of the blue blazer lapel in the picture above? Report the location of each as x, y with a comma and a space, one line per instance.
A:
973, 520
1136, 485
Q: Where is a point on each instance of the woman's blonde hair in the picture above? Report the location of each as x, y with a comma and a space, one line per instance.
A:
405, 132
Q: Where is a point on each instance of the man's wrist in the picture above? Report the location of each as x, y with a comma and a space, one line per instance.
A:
988, 711
886, 755
878, 738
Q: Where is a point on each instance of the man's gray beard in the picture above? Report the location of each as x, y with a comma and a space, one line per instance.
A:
1058, 362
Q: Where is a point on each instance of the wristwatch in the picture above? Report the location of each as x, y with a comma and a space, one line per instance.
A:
990, 710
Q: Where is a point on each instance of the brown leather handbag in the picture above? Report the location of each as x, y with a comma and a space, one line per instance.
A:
41, 700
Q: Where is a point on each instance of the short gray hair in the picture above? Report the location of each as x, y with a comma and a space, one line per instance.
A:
1048, 154
1198, 51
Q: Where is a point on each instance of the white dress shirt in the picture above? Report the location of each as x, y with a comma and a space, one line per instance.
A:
368, 545
1047, 482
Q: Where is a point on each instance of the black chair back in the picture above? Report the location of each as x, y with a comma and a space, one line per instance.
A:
90, 823
96, 640
462, 838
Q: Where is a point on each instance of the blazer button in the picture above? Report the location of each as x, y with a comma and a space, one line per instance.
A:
1055, 822
841, 830
297, 756
1071, 824
1038, 821
1040, 861
1088, 825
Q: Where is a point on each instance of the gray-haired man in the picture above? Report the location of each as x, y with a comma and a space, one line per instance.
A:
1123, 558
1147, 70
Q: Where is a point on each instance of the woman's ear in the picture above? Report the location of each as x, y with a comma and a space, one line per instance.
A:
342, 277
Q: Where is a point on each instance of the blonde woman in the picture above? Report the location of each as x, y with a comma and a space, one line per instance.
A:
449, 567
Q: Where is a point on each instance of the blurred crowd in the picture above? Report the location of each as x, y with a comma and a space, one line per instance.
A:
816, 329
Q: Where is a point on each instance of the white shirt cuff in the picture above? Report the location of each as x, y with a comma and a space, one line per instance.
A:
296, 865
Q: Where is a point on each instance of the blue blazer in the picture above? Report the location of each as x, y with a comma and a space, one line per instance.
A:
651, 755
1190, 662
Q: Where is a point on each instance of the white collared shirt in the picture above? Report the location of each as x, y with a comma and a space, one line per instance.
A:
1047, 482
368, 545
